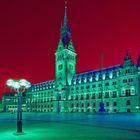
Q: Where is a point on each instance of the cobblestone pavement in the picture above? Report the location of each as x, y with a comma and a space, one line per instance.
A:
39, 126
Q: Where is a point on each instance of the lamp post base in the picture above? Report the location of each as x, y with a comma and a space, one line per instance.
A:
19, 133
19, 126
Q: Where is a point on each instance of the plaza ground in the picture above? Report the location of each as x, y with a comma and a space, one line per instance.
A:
43, 126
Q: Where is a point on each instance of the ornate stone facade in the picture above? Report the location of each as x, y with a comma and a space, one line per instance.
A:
118, 87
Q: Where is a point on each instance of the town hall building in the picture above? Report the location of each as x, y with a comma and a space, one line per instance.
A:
116, 87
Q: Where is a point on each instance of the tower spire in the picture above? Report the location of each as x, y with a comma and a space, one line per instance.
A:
127, 54
65, 41
65, 30
66, 8
127, 59
65, 15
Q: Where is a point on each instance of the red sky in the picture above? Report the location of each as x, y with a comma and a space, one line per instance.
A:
30, 29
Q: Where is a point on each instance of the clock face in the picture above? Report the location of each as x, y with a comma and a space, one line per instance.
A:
60, 67
71, 67
60, 78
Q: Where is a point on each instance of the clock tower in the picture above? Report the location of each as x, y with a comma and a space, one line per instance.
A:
65, 66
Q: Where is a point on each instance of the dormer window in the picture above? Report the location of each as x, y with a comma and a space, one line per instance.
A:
107, 75
127, 92
127, 71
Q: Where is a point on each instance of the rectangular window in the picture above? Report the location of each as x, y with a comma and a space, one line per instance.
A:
72, 89
125, 81
114, 83
100, 85
115, 103
77, 88
127, 71
114, 94
100, 95
128, 102
107, 103
127, 92
93, 86
114, 74
94, 104
93, 96
107, 95
106, 84
115, 110
130, 80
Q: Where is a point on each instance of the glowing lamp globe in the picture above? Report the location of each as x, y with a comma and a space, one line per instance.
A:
17, 84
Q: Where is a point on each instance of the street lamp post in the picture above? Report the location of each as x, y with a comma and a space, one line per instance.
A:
19, 86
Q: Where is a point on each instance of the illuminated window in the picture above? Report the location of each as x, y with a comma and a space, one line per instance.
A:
103, 76
97, 77
110, 75
133, 92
